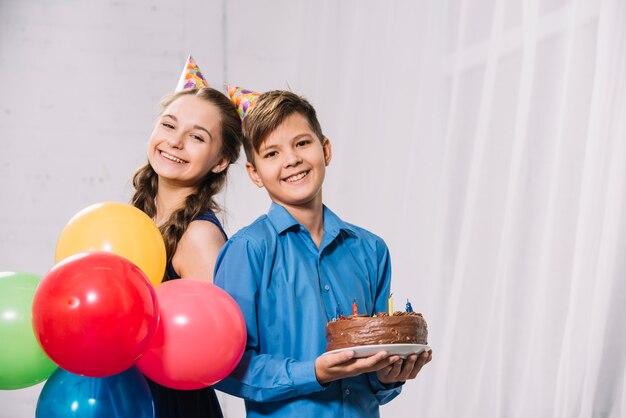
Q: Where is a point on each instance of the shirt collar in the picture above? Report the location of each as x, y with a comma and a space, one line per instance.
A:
280, 218
283, 221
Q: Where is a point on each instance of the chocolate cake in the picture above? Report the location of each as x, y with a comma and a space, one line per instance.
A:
356, 330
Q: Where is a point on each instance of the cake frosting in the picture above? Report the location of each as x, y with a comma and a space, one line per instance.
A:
357, 330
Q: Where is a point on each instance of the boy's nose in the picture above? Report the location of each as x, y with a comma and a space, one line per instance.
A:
292, 159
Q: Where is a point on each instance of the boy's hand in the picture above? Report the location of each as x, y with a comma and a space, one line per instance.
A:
331, 367
406, 369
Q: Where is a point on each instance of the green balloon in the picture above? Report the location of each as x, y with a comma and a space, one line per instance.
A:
22, 361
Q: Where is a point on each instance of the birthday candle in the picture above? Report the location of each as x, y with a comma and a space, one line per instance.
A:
354, 309
390, 304
338, 312
409, 308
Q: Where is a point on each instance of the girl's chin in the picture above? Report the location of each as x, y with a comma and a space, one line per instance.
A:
166, 174
165, 165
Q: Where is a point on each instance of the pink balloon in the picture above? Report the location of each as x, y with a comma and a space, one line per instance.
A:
200, 338
94, 313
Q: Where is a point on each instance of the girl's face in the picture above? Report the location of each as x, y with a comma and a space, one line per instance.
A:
186, 142
291, 164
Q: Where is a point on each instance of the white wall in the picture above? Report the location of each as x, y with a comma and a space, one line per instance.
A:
80, 84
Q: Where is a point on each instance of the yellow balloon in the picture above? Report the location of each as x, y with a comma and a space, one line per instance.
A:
118, 228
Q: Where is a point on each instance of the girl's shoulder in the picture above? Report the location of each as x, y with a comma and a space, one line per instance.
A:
208, 216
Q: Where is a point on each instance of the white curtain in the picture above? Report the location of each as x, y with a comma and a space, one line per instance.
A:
528, 276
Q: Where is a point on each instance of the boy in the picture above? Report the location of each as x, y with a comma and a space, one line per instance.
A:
293, 269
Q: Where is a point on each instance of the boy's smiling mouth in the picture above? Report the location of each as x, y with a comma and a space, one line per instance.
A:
296, 177
171, 157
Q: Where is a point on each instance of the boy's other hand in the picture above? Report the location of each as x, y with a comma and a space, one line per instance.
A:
404, 369
337, 366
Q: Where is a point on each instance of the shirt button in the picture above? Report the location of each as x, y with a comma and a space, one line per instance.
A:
326, 287
347, 392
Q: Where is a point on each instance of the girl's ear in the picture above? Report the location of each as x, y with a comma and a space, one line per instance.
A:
221, 166
254, 175
328, 150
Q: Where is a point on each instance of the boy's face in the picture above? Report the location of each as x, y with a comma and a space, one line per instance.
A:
291, 164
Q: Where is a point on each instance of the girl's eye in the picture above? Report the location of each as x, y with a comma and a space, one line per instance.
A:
197, 137
167, 125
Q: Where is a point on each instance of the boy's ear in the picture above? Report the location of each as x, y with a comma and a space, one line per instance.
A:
328, 150
221, 166
253, 174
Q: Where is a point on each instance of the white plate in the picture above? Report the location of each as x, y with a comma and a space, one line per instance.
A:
402, 350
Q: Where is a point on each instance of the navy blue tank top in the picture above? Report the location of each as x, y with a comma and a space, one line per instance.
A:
199, 403
208, 216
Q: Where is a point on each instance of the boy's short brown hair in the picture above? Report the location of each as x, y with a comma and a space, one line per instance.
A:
268, 112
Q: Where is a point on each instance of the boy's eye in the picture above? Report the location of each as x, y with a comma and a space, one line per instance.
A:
302, 143
167, 125
270, 154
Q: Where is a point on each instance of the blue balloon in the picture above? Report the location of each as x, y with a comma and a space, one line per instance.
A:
123, 395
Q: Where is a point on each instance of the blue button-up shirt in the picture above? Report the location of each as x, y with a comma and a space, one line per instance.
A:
288, 290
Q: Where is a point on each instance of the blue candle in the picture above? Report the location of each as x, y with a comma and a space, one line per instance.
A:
338, 313
409, 308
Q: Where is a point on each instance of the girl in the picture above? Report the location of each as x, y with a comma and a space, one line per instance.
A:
196, 138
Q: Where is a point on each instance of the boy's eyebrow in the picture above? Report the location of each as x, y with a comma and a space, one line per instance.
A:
194, 126
301, 135
295, 138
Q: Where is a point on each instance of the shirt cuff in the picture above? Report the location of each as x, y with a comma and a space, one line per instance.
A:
303, 375
378, 386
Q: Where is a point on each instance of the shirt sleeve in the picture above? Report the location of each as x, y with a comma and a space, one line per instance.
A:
383, 392
258, 377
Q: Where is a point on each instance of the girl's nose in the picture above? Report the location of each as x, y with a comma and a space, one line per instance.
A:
175, 141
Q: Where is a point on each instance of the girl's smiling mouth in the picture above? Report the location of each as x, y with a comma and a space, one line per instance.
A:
171, 157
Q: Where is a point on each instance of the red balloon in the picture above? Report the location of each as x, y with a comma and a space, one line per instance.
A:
94, 313
200, 339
